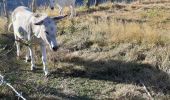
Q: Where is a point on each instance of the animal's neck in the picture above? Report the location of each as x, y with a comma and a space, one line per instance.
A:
36, 29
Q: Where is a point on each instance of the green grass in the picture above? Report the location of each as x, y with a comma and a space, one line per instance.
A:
100, 57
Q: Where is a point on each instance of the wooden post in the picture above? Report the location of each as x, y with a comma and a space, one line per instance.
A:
112, 1
5, 8
96, 2
6, 13
33, 5
88, 3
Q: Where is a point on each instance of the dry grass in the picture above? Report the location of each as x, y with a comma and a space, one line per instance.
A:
3, 24
147, 27
105, 53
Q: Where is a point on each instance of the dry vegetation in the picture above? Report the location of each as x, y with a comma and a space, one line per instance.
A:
113, 51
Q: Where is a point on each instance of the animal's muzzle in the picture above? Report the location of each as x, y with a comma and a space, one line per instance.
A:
55, 48
52, 8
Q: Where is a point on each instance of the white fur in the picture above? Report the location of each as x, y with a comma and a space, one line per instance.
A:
64, 3
34, 28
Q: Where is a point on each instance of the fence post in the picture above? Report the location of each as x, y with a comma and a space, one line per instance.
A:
33, 5
5, 8
96, 2
6, 13
87, 3
3, 82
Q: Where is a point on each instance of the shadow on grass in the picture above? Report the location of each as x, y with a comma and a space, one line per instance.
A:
50, 93
47, 93
120, 72
14, 72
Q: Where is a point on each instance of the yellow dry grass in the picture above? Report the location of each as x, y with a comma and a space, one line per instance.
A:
103, 54
3, 24
118, 32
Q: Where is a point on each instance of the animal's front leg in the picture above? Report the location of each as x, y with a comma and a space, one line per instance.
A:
44, 60
32, 59
18, 48
27, 57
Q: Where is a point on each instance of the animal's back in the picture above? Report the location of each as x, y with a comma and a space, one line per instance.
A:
21, 13
21, 18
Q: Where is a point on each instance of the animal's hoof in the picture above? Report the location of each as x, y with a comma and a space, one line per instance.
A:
27, 59
46, 73
33, 68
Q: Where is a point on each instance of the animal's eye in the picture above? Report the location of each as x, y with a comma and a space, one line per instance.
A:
47, 32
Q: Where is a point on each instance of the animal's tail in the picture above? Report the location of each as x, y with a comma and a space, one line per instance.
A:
9, 27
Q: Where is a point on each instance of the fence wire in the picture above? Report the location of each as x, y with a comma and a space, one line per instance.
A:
3, 82
4, 26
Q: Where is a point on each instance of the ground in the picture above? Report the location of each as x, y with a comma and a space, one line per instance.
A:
110, 52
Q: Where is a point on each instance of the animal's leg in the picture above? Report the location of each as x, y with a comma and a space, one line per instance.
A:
72, 11
27, 57
18, 48
32, 58
44, 60
17, 45
31, 52
60, 11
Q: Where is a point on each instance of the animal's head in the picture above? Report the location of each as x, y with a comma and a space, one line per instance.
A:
46, 29
52, 4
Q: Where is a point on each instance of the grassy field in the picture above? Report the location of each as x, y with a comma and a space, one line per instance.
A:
111, 52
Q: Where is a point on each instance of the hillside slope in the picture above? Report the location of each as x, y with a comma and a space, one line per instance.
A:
110, 52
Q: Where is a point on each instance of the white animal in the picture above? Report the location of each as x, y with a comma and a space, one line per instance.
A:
64, 3
35, 28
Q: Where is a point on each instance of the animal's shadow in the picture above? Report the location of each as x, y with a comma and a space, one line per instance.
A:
56, 94
120, 72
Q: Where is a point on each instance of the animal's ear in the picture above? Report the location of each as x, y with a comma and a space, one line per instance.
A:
39, 19
59, 17
38, 22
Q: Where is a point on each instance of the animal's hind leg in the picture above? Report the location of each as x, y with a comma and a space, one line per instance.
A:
27, 57
73, 13
73, 9
60, 11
